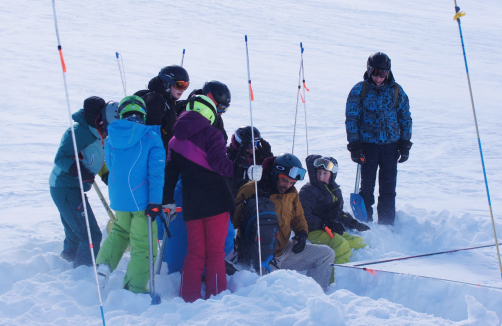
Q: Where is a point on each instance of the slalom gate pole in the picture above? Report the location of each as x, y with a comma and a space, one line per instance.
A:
298, 95
457, 16
422, 255
374, 271
304, 99
251, 99
121, 71
182, 57
84, 202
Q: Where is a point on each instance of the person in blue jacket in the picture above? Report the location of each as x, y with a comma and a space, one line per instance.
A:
90, 129
135, 157
378, 124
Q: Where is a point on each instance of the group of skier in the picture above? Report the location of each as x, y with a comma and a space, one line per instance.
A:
158, 142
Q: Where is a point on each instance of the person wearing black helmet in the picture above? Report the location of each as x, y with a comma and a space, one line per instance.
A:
240, 151
378, 124
219, 94
161, 98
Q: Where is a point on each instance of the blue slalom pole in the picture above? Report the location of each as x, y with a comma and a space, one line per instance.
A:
183, 57
457, 16
121, 71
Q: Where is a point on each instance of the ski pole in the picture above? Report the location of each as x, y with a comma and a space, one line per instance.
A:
251, 99
304, 100
109, 225
155, 296
373, 272
84, 202
160, 255
182, 57
422, 255
298, 95
121, 71
457, 16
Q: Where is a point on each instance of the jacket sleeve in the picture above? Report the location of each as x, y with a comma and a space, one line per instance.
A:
298, 223
65, 156
353, 113
171, 177
217, 153
404, 115
156, 166
308, 200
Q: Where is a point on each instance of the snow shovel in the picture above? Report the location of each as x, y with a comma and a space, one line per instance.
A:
160, 254
155, 296
356, 201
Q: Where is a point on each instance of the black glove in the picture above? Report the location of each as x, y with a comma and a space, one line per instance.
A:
241, 159
87, 176
301, 241
352, 223
327, 211
334, 226
104, 178
154, 210
356, 153
264, 149
403, 150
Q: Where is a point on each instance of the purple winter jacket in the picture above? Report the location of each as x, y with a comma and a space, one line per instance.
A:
197, 152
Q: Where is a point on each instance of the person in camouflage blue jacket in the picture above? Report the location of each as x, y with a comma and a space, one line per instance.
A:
378, 124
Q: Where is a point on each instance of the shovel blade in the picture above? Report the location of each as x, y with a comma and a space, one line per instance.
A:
358, 208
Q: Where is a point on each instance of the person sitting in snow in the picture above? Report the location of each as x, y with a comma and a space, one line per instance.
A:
135, 156
322, 203
90, 130
278, 183
241, 149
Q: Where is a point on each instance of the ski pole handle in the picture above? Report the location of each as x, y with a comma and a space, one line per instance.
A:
328, 231
168, 211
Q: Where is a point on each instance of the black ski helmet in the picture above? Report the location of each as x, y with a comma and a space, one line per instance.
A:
243, 134
170, 74
289, 165
219, 91
379, 61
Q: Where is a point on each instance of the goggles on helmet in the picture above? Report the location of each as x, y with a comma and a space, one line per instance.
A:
377, 72
326, 165
293, 172
181, 85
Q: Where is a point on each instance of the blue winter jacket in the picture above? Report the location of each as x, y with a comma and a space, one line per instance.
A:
135, 157
379, 118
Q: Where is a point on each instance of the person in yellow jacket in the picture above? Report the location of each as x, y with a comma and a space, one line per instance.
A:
278, 183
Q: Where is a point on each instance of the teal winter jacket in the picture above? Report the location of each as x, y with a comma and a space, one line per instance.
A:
136, 158
89, 147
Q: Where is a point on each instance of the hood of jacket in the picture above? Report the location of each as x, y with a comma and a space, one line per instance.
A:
389, 82
79, 117
190, 123
312, 173
124, 134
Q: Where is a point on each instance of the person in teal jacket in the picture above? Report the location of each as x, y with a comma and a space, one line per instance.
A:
135, 157
90, 129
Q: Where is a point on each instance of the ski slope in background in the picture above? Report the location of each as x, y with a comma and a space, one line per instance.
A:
441, 199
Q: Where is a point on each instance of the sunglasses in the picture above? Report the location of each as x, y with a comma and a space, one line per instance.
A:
379, 73
326, 165
181, 85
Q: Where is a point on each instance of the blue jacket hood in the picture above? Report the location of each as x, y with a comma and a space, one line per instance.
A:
125, 134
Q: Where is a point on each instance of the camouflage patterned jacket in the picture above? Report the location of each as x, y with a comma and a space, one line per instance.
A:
381, 117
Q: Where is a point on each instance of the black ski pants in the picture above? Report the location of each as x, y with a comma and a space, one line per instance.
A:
383, 157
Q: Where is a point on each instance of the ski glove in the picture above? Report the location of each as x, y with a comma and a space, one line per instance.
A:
87, 176
153, 210
403, 151
170, 211
356, 153
241, 160
104, 178
301, 241
264, 149
334, 226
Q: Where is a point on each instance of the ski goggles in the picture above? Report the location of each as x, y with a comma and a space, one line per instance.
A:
255, 144
326, 165
294, 172
181, 85
138, 118
379, 73
222, 108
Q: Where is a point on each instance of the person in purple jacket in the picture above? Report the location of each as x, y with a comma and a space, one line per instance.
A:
197, 152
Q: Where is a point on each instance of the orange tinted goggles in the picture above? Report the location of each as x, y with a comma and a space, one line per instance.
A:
181, 85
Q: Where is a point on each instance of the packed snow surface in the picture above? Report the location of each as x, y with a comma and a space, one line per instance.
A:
441, 194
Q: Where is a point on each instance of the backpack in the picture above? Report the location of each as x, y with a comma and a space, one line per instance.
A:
247, 242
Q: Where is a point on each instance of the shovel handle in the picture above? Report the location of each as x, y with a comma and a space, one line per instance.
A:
328, 231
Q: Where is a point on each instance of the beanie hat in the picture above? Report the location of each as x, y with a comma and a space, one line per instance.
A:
92, 109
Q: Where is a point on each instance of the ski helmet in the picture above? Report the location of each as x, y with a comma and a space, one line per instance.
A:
203, 105
378, 61
289, 165
171, 74
110, 113
132, 105
219, 93
243, 135
328, 164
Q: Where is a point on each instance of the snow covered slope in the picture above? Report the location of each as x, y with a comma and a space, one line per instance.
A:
441, 194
